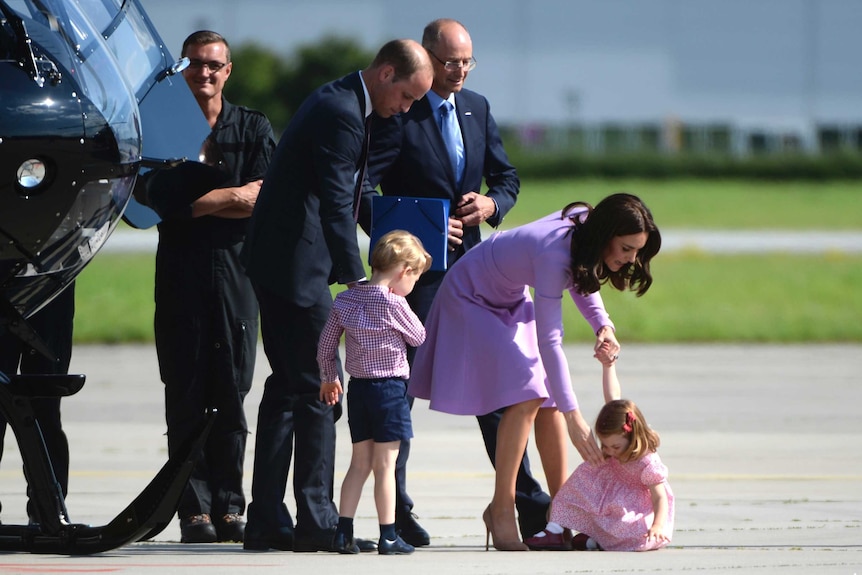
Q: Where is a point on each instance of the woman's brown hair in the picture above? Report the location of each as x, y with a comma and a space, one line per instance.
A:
619, 214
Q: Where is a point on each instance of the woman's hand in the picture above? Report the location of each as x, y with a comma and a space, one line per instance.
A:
582, 437
607, 348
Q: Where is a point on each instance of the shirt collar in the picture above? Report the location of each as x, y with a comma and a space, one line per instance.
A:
227, 115
368, 108
435, 100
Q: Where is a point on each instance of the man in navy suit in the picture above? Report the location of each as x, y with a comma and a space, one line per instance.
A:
409, 157
301, 239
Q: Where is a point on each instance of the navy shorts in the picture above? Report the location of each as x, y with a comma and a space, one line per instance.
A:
377, 409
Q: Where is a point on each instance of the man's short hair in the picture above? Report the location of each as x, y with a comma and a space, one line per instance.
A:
402, 56
202, 37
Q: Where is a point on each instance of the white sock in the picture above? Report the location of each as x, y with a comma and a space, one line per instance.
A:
554, 528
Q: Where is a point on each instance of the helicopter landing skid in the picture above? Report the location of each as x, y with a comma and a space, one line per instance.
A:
51, 531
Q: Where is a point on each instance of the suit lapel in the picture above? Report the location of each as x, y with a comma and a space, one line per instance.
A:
355, 83
469, 133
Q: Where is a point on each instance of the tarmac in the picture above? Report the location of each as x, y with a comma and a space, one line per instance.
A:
762, 443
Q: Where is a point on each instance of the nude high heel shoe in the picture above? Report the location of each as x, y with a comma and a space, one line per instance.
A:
499, 545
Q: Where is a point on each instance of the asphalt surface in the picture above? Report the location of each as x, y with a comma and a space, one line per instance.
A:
762, 443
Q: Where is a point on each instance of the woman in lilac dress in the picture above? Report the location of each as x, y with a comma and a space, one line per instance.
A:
491, 345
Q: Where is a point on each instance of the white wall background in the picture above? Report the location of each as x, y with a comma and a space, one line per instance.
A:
781, 63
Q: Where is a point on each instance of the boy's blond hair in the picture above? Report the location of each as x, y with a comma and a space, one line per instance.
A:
399, 247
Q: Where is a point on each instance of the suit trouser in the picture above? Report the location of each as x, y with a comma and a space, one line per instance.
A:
531, 501
54, 324
292, 418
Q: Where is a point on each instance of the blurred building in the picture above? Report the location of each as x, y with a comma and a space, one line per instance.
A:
730, 75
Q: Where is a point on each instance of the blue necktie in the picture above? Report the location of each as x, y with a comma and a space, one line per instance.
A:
452, 138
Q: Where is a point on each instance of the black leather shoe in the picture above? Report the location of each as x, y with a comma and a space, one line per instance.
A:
366, 545
197, 529
230, 527
410, 531
397, 547
322, 541
280, 539
344, 544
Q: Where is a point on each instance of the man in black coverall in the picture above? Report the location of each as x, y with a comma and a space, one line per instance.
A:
206, 320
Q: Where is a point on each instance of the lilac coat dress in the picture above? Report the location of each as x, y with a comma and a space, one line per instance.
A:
489, 344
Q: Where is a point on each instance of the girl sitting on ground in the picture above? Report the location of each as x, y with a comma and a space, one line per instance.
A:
624, 504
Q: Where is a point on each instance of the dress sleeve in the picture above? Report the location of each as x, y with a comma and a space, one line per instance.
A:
654, 471
549, 328
592, 307
551, 279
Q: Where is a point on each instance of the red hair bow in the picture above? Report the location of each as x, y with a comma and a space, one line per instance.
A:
630, 419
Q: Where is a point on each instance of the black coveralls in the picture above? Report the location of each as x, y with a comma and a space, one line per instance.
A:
206, 320
54, 323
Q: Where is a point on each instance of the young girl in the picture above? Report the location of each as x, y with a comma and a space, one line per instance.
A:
624, 504
379, 325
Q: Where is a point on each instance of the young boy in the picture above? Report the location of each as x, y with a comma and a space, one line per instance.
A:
379, 325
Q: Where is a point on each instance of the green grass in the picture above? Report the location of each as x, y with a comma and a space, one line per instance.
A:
753, 298
114, 299
709, 204
695, 296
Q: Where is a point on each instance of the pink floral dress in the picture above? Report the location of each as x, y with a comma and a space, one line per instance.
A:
611, 503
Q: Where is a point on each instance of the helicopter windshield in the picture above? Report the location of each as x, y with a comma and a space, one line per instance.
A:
72, 138
83, 84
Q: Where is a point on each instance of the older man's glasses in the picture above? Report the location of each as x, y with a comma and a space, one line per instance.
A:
212, 65
452, 65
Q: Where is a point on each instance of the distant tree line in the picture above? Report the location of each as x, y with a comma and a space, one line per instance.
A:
277, 85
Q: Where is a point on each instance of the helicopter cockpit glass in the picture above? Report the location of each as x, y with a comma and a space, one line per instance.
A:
70, 145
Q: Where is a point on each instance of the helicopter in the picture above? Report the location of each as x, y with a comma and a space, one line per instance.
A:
91, 105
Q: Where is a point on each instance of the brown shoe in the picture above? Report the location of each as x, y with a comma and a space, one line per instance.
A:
231, 527
583, 542
197, 529
547, 541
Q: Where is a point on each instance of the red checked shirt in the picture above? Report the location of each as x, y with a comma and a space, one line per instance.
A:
379, 325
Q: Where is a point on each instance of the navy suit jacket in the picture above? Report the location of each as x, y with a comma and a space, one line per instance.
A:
302, 235
408, 158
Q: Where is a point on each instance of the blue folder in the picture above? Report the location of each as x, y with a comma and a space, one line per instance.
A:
425, 218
